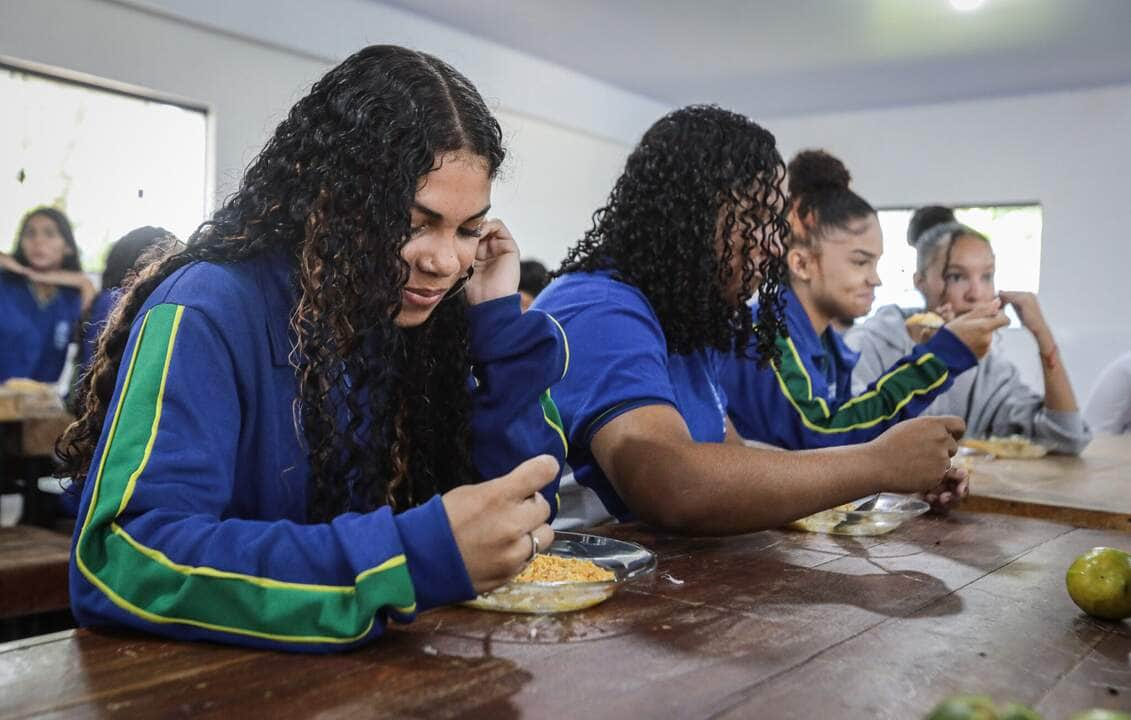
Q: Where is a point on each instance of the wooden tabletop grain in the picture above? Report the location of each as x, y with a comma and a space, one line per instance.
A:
768, 625
1093, 490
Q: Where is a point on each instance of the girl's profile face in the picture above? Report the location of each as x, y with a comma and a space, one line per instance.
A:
967, 279
448, 211
43, 245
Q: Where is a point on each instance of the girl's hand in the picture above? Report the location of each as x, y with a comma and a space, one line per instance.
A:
914, 455
496, 264
976, 327
1029, 311
9, 263
67, 278
495, 522
954, 487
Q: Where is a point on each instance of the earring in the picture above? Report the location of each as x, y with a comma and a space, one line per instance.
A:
460, 285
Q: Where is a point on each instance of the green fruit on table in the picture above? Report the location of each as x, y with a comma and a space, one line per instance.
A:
1099, 582
1101, 715
1013, 711
965, 707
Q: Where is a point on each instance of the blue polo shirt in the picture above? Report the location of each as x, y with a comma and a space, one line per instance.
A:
192, 522
34, 336
806, 401
620, 362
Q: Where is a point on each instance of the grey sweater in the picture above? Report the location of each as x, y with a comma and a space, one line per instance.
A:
990, 397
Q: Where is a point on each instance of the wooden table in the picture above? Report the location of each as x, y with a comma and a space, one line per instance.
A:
33, 571
770, 625
1093, 490
27, 453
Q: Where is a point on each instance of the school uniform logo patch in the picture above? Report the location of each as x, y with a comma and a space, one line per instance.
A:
62, 334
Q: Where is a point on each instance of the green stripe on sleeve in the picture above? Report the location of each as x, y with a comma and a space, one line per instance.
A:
890, 395
553, 418
144, 582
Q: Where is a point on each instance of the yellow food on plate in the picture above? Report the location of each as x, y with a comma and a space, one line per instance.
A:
551, 568
1009, 448
820, 522
925, 319
551, 584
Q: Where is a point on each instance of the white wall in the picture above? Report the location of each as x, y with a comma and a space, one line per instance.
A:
332, 29
555, 176
1069, 151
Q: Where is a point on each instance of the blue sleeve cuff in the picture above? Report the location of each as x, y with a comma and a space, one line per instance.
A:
947, 347
613, 413
439, 576
487, 321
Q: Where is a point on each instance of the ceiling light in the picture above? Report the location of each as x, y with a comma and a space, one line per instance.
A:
966, 5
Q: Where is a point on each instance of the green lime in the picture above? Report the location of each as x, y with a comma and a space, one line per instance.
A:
1098, 714
965, 707
1099, 581
1014, 711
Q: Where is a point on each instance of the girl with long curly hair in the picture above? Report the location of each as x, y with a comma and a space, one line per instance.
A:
652, 297
286, 424
806, 400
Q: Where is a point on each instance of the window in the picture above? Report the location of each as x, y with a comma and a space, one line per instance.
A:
112, 160
1014, 232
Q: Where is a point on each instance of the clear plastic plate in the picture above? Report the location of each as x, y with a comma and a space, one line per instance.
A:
969, 458
890, 512
627, 560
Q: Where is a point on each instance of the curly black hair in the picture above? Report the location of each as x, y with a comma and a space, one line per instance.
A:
702, 188
384, 411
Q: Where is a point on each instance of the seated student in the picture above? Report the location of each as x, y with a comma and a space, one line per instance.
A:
121, 260
955, 275
532, 281
43, 293
805, 400
285, 424
1109, 407
652, 296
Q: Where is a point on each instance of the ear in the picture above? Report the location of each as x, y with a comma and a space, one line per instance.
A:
800, 262
920, 280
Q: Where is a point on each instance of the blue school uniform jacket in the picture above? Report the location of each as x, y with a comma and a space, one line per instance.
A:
621, 362
33, 336
192, 519
100, 309
806, 400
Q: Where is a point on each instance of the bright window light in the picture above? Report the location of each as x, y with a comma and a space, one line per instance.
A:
112, 162
966, 5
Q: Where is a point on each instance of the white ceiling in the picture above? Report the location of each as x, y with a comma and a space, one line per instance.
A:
787, 57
